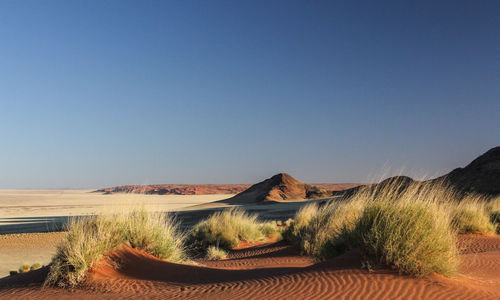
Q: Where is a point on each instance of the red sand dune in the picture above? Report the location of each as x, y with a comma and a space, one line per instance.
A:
272, 271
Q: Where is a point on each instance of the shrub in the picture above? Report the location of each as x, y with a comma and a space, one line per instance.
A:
35, 266
295, 228
413, 237
89, 238
215, 253
317, 226
493, 207
24, 268
12, 273
470, 216
405, 227
226, 229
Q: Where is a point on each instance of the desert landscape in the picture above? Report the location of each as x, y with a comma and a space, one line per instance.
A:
248, 150
278, 238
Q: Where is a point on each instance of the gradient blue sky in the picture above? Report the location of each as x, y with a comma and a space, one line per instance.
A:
106, 93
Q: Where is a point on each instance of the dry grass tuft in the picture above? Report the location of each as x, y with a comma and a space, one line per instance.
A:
471, 216
89, 238
24, 268
405, 225
215, 253
227, 228
35, 266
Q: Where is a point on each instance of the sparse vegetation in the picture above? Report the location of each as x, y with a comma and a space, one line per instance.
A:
227, 228
24, 268
493, 207
89, 238
215, 253
317, 225
408, 227
412, 237
12, 273
471, 216
35, 266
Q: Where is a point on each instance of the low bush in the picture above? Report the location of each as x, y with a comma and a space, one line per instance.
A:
226, 229
405, 227
471, 216
317, 226
412, 237
35, 266
215, 253
493, 208
24, 268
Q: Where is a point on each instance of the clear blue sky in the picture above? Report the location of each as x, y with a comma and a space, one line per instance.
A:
103, 93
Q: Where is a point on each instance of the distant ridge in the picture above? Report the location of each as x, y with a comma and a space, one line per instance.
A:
177, 189
482, 175
280, 187
202, 189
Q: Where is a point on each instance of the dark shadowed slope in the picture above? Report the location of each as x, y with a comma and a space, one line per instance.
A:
482, 175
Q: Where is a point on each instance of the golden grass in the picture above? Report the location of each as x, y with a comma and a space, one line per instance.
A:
471, 216
215, 253
89, 238
409, 226
24, 268
35, 266
226, 229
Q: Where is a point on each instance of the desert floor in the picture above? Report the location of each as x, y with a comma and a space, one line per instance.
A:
272, 270
30, 220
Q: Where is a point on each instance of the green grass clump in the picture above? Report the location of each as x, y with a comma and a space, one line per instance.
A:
317, 226
89, 238
412, 237
296, 227
215, 253
493, 208
471, 216
24, 268
226, 229
35, 266
405, 227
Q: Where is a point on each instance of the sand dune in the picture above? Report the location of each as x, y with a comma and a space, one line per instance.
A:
272, 271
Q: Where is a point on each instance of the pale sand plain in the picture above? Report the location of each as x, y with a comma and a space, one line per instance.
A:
29, 217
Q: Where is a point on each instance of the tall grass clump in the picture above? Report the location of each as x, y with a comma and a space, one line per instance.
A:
317, 226
407, 228
493, 208
402, 224
226, 229
412, 237
90, 238
470, 215
296, 227
215, 253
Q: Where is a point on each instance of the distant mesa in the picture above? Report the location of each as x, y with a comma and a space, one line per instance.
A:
280, 187
287, 182
482, 175
177, 189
